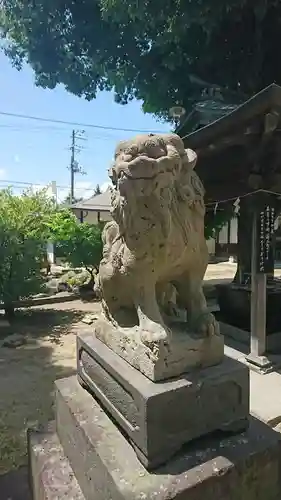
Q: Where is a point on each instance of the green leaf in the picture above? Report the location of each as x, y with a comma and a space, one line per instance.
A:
24, 233
79, 244
145, 49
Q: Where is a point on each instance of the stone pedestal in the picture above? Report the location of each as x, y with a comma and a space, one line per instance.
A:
186, 351
52, 477
89, 458
158, 418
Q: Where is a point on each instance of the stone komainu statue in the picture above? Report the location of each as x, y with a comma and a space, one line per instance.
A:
156, 240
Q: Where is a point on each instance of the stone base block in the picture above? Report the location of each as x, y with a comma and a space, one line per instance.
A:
51, 475
159, 418
237, 467
186, 351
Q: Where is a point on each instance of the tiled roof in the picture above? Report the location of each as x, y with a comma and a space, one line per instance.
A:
100, 202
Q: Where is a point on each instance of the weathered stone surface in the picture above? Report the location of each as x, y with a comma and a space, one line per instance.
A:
155, 254
239, 467
51, 475
185, 352
160, 418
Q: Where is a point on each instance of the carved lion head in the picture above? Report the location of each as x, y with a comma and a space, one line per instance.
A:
147, 164
154, 173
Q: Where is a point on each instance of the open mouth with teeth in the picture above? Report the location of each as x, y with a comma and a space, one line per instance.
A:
122, 174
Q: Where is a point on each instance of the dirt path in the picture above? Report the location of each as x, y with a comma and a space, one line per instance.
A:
27, 374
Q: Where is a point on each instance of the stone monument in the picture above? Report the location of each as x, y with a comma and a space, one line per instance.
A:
156, 246
165, 413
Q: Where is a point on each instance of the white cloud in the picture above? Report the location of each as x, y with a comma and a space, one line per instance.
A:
62, 193
81, 185
83, 189
105, 186
39, 187
2, 173
16, 158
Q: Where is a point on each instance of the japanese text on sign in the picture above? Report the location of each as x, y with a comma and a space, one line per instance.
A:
265, 231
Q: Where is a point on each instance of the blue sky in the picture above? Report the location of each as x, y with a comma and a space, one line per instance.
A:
37, 152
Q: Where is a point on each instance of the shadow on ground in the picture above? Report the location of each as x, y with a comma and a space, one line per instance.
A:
27, 376
15, 485
41, 322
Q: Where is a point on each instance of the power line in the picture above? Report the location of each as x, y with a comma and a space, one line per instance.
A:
51, 132
17, 127
76, 124
33, 128
18, 182
22, 184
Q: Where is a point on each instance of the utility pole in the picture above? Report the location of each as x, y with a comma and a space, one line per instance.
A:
75, 168
72, 166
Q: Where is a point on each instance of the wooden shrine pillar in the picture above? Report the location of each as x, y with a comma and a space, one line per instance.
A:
261, 266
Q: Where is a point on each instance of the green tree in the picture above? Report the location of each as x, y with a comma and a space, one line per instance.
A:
159, 52
24, 232
79, 244
214, 222
97, 190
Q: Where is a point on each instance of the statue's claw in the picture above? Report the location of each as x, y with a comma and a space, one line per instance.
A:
207, 325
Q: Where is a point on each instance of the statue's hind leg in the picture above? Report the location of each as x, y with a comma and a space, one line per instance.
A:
192, 298
117, 305
167, 299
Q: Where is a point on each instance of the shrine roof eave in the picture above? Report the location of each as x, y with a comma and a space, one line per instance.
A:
238, 120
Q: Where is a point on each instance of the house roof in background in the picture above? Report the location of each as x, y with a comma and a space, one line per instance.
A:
99, 203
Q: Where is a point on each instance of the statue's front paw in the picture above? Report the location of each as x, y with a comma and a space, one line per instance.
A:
154, 333
207, 325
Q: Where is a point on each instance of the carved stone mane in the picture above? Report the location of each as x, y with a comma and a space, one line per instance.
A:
167, 194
